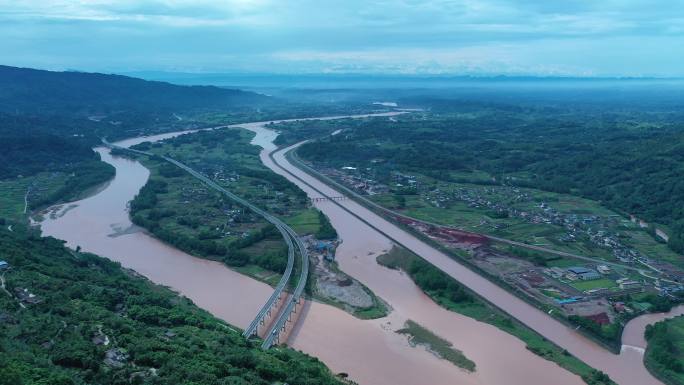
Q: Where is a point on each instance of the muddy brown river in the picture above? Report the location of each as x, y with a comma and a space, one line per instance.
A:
368, 350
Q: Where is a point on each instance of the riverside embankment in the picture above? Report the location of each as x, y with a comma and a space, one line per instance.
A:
369, 351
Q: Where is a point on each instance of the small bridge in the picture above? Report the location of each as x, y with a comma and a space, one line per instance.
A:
326, 198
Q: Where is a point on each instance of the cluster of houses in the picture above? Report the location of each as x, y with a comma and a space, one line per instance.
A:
226, 177
232, 226
582, 273
324, 249
508, 201
478, 197
620, 251
405, 181
24, 295
357, 180
592, 227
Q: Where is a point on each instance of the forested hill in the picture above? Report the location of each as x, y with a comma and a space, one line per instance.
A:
92, 105
28, 155
50, 120
26, 91
73, 318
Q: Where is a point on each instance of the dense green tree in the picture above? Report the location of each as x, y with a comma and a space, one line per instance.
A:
81, 295
629, 159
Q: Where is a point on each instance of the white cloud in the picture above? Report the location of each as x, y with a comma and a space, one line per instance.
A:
473, 36
178, 13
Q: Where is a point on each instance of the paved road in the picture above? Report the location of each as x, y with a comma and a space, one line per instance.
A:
369, 202
626, 368
292, 240
28, 190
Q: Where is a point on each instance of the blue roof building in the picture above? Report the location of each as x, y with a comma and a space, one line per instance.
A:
584, 274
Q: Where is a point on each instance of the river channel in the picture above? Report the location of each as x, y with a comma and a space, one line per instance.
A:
368, 350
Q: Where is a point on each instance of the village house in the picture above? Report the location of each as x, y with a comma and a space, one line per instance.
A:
25, 296
582, 273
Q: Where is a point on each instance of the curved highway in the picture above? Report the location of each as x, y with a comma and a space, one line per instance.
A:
279, 325
290, 238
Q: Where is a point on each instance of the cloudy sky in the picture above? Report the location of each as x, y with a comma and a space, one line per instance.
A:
481, 37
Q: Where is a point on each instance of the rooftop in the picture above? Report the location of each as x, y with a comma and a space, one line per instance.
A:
579, 270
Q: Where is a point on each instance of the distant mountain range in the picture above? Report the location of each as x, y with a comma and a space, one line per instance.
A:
30, 91
369, 81
88, 106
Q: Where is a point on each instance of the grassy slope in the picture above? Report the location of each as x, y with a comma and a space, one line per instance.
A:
305, 222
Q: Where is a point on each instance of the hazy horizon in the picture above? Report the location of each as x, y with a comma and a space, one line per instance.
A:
441, 37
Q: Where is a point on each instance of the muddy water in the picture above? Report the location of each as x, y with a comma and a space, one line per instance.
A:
500, 358
100, 224
369, 351
633, 335
626, 368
